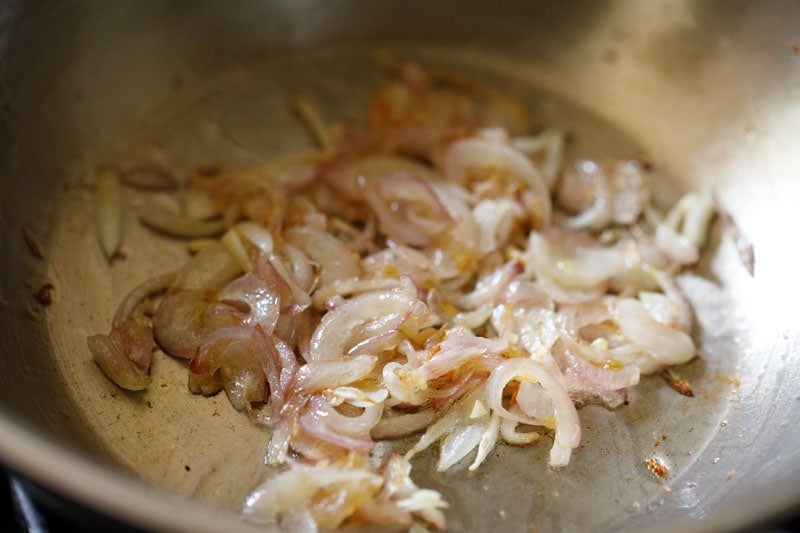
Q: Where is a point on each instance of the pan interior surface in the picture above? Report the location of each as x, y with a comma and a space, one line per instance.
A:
708, 91
201, 447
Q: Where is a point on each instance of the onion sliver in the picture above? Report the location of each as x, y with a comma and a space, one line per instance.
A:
180, 225
323, 421
336, 334
573, 265
668, 346
567, 424
472, 157
316, 376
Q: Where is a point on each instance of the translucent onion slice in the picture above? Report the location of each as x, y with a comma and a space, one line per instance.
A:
336, 260
351, 177
491, 288
210, 269
397, 425
295, 488
283, 428
150, 177
125, 354
140, 292
458, 443
180, 225
261, 300
233, 346
585, 376
109, 210
316, 376
496, 220
357, 320
458, 349
508, 430
324, 422
567, 424
454, 418
178, 322
676, 246
572, 261
668, 346
480, 157
408, 208
552, 144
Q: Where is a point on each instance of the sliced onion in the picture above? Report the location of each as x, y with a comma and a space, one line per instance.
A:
316, 376
125, 354
403, 261
584, 375
212, 268
693, 214
405, 384
537, 330
469, 156
294, 489
279, 365
294, 169
338, 332
408, 208
487, 442
403, 424
233, 346
567, 424
283, 428
235, 245
466, 232
261, 300
324, 422
335, 259
109, 211
602, 195
244, 386
527, 294
299, 265
453, 418
356, 286
496, 220
458, 349
356, 396
351, 177
256, 234
571, 260
180, 322
180, 225
473, 319
508, 430
457, 444
585, 187
552, 144
676, 246
666, 345
576, 317
680, 314
609, 399
491, 287
479, 157
294, 299
139, 293
658, 305
149, 177
631, 194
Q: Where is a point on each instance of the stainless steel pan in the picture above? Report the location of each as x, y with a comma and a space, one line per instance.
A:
709, 90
